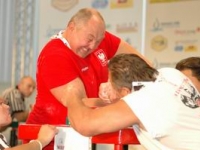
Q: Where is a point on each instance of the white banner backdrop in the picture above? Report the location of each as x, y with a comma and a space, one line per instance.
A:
172, 31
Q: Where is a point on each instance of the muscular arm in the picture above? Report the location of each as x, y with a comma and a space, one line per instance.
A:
124, 47
90, 122
65, 93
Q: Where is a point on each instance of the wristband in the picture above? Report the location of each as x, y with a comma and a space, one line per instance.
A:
40, 144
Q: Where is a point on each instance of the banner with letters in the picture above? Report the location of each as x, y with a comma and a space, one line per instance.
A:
172, 31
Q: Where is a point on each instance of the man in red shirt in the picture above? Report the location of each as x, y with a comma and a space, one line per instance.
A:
80, 52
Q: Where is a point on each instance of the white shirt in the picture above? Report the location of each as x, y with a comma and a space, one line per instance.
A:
168, 110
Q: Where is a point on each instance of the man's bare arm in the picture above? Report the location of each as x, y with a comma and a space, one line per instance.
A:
63, 93
89, 122
124, 47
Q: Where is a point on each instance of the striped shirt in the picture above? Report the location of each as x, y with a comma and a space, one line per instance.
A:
15, 100
3, 142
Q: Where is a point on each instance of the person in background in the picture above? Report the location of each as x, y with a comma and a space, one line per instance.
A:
163, 106
78, 53
190, 66
15, 98
45, 135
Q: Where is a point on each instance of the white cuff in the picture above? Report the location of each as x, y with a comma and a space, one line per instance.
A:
40, 144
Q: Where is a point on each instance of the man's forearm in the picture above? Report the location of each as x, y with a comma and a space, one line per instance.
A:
21, 116
78, 115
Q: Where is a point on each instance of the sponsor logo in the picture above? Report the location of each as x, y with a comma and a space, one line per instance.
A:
159, 43
99, 3
160, 64
179, 48
127, 27
186, 32
191, 48
186, 45
60, 144
121, 4
161, 25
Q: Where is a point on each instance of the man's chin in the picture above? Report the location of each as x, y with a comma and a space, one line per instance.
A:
82, 55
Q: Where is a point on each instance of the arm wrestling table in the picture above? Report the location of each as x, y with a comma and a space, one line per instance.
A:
118, 138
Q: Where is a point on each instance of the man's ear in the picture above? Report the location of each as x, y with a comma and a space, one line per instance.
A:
71, 26
125, 91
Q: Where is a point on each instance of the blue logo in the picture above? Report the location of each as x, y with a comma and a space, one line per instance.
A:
179, 48
99, 3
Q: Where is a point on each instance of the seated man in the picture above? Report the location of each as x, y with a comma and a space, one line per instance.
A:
190, 67
164, 112
15, 98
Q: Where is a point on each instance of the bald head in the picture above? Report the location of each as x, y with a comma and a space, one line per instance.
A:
84, 15
26, 85
85, 31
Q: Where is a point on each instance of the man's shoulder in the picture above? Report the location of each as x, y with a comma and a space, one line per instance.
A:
9, 91
167, 70
54, 41
171, 74
55, 52
54, 46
